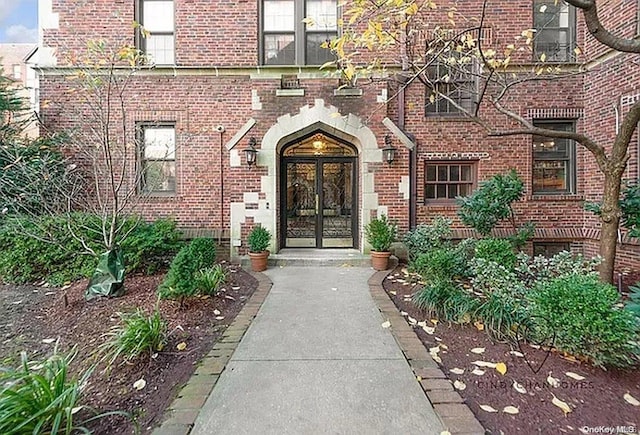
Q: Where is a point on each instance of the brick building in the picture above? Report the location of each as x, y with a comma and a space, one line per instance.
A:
233, 74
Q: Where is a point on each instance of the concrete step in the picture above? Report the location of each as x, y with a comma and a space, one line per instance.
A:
315, 257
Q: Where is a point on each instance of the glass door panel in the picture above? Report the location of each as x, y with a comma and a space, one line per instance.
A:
301, 204
337, 204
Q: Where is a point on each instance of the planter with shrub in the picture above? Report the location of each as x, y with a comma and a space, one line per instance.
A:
258, 241
380, 234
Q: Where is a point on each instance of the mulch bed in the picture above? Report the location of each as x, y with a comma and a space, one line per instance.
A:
31, 314
595, 401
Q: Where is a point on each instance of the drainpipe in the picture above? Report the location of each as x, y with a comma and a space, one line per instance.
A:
220, 129
413, 154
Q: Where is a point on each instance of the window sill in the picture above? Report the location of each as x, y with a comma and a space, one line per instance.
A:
289, 92
448, 117
158, 195
555, 197
348, 92
444, 206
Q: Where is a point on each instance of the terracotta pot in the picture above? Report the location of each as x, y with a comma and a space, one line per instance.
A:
259, 260
380, 260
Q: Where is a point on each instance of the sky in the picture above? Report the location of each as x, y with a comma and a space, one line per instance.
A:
18, 21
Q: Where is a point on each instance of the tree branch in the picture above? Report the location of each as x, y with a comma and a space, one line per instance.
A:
590, 12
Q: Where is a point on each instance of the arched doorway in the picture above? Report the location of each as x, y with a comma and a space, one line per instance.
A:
318, 193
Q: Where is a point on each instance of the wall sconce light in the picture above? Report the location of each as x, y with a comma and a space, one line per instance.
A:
250, 152
388, 152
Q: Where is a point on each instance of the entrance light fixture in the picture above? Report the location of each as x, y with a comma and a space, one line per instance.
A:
388, 152
250, 152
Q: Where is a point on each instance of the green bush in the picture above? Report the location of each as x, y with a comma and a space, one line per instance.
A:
491, 202
50, 248
587, 320
181, 281
381, 233
440, 264
497, 250
136, 334
40, 397
258, 239
209, 280
446, 300
426, 237
540, 268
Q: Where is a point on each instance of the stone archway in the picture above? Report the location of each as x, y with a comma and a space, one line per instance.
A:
326, 119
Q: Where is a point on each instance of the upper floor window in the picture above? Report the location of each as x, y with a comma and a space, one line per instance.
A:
157, 19
452, 89
290, 39
554, 161
448, 180
157, 158
17, 72
555, 25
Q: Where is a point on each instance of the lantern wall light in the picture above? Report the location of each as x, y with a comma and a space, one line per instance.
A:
250, 152
388, 152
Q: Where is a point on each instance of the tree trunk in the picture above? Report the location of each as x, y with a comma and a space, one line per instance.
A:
610, 218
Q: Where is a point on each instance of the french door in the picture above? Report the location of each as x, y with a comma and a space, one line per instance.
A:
318, 197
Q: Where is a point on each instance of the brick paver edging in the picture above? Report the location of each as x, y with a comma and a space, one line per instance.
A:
183, 411
455, 415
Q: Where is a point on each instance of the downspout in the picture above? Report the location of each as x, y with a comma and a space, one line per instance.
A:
220, 129
413, 153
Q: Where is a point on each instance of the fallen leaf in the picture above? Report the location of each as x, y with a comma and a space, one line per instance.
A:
48, 340
434, 321
429, 330
216, 312
457, 371
554, 382
386, 324
575, 376
488, 408
411, 320
445, 432
459, 385
422, 324
479, 325
501, 368
510, 410
478, 372
181, 346
519, 388
393, 292
560, 404
631, 400
485, 364
434, 349
516, 353
419, 378
219, 317
76, 409
478, 350
140, 384
436, 358
444, 346
404, 313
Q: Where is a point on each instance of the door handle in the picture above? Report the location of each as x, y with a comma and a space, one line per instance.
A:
317, 204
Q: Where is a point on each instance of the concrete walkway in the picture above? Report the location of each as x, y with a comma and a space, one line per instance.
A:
316, 360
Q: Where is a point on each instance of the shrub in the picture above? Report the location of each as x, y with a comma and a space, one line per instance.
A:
209, 280
258, 239
445, 300
39, 397
50, 247
491, 202
586, 319
497, 250
633, 304
381, 233
425, 237
136, 334
180, 281
540, 268
440, 264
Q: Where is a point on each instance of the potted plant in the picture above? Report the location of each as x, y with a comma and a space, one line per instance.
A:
380, 234
258, 241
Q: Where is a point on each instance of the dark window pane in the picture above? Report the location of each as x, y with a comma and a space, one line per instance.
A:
442, 173
454, 173
442, 190
279, 49
431, 173
465, 173
465, 190
430, 191
550, 176
316, 54
453, 191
